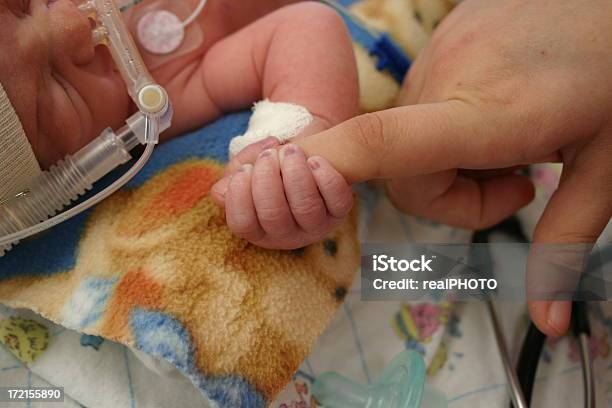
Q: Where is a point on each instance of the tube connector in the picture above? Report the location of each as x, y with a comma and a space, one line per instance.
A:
55, 189
152, 99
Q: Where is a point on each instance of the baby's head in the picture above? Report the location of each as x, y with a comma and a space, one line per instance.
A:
64, 90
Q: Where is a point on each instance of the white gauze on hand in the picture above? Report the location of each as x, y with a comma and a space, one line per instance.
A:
282, 120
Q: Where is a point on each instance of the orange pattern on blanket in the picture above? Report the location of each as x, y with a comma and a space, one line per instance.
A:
248, 313
179, 197
136, 289
184, 193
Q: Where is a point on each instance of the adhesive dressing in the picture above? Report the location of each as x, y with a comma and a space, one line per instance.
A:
164, 29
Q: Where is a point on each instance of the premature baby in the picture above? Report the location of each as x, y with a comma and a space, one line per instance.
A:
66, 91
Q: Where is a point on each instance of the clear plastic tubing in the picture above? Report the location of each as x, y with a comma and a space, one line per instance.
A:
70, 178
35, 210
195, 13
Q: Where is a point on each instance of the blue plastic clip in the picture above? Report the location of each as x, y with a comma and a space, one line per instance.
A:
390, 57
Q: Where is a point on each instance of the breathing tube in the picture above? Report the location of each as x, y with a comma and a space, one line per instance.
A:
34, 210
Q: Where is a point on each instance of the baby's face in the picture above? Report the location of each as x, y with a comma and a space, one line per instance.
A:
63, 89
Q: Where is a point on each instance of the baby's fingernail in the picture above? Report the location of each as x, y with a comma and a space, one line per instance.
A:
221, 186
288, 150
267, 153
313, 163
269, 142
246, 168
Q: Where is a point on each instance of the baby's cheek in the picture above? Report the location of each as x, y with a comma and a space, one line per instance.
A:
58, 121
108, 101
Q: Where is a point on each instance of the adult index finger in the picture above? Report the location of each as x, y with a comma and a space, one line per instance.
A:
414, 140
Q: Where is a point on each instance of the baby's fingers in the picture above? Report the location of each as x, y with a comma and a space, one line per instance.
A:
239, 207
249, 154
269, 197
301, 190
334, 189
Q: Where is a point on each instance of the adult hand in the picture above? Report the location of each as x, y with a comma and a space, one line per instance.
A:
501, 84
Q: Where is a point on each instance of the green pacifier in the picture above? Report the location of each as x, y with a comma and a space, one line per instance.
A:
401, 385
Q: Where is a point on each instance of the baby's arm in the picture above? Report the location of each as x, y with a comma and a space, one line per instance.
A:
300, 54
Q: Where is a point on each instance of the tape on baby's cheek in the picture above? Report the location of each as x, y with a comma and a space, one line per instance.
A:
18, 165
281, 120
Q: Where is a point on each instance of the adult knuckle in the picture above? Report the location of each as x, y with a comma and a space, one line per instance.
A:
447, 51
370, 133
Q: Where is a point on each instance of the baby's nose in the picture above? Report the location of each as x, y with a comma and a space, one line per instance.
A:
72, 31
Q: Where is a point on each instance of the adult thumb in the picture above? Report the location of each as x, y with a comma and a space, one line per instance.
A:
574, 218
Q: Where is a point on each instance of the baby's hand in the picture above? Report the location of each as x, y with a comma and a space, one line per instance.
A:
279, 199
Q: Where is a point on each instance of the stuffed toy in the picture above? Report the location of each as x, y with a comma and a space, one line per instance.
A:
410, 23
